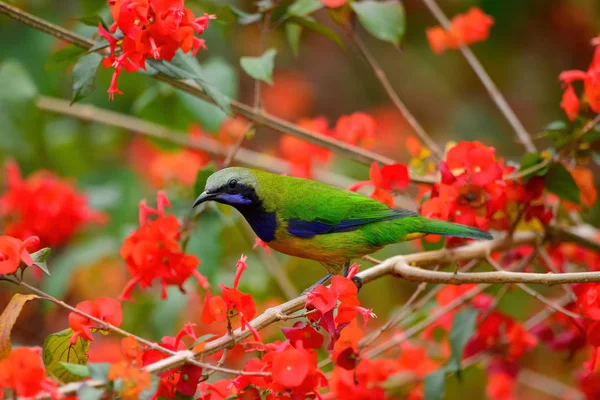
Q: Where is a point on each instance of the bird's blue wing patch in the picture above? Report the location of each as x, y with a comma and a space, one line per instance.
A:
308, 229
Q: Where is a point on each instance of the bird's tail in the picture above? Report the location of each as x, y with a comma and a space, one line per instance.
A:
432, 226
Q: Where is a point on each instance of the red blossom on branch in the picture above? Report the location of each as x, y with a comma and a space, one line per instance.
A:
23, 372
104, 308
13, 251
383, 180
151, 28
152, 252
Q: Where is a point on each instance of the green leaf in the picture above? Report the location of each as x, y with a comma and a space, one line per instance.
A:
63, 57
202, 177
310, 23
76, 369
84, 76
225, 78
203, 339
463, 327
244, 18
91, 20
293, 32
184, 66
591, 137
529, 161
87, 392
556, 126
39, 259
260, 68
383, 19
560, 182
57, 349
99, 371
302, 8
435, 385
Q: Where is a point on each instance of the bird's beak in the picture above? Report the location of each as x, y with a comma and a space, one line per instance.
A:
205, 196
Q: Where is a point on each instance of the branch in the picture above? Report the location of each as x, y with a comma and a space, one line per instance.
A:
258, 116
491, 88
106, 326
207, 144
389, 89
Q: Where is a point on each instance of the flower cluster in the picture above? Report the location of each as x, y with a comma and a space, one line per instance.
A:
43, 205
153, 253
497, 333
473, 192
383, 180
150, 28
221, 308
23, 372
357, 129
106, 309
465, 29
571, 103
164, 167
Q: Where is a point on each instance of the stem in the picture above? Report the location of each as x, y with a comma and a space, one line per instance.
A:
389, 89
488, 83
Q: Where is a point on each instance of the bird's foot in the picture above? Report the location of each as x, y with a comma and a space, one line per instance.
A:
358, 281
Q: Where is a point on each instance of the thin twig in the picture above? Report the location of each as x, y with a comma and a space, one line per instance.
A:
141, 127
489, 84
109, 327
537, 295
398, 103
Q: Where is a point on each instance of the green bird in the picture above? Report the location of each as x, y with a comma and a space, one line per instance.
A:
309, 219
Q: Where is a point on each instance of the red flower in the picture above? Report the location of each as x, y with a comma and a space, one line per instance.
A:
570, 103
103, 308
591, 86
13, 251
301, 154
310, 338
357, 129
152, 252
152, 28
500, 386
333, 3
290, 367
259, 243
43, 205
465, 29
23, 372
588, 299
383, 180
322, 298
214, 310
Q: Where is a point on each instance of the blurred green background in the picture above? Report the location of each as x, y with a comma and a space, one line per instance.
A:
530, 44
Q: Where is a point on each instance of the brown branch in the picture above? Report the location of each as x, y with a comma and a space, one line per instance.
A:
258, 116
206, 143
398, 103
109, 327
489, 84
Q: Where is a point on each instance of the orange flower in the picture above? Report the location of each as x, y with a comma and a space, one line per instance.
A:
291, 96
302, 154
584, 178
104, 308
135, 380
357, 129
465, 29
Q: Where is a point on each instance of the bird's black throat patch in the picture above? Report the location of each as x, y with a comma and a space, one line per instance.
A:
245, 199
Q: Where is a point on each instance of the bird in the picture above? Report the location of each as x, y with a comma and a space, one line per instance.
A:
315, 221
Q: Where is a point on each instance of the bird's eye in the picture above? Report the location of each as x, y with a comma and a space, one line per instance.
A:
232, 184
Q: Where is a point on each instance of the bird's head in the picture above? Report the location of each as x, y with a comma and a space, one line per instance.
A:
233, 186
